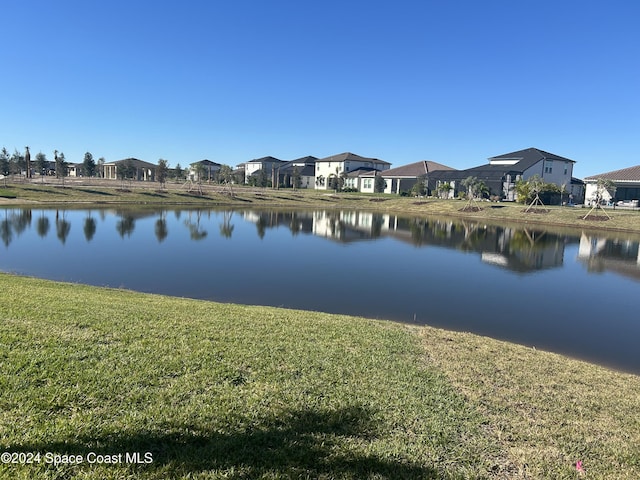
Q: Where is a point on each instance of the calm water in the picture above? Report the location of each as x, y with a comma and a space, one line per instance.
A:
571, 292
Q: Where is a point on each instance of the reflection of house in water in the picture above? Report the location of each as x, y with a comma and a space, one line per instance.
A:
295, 221
600, 254
517, 249
348, 226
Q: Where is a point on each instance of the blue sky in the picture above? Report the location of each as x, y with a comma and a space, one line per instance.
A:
451, 81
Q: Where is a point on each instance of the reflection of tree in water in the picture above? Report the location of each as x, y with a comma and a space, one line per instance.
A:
336, 225
472, 235
89, 227
376, 225
5, 230
161, 228
62, 227
226, 228
294, 224
195, 232
261, 226
418, 229
126, 225
529, 240
21, 221
42, 225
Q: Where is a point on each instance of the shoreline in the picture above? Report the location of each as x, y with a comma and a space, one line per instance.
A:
99, 194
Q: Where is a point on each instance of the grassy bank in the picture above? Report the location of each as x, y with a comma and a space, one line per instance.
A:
98, 193
226, 391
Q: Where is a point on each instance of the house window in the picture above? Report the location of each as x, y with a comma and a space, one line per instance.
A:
548, 166
367, 183
566, 168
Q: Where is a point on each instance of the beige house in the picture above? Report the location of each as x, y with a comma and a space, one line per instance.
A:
141, 170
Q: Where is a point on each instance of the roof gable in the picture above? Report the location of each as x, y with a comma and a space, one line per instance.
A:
524, 159
206, 162
268, 159
350, 157
415, 169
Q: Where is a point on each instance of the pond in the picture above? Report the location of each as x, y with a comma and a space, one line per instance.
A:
569, 291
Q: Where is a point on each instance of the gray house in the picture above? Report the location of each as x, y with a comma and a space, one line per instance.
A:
402, 179
503, 171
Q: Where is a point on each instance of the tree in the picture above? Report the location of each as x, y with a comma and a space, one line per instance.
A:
126, 170
419, 188
88, 165
27, 162
604, 188
16, 163
100, 167
61, 165
474, 187
443, 190
41, 164
297, 178
177, 171
226, 175
162, 172
379, 184
5, 167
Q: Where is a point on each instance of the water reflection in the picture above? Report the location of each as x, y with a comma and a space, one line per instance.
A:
496, 280
516, 248
601, 254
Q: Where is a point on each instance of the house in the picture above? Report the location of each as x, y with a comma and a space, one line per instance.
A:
141, 170
261, 166
209, 170
304, 168
626, 181
75, 170
343, 164
503, 171
402, 179
362, 179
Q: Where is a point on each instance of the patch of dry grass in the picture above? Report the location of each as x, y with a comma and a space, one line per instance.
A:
546, 411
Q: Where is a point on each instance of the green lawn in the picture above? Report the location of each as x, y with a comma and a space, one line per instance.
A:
227, 391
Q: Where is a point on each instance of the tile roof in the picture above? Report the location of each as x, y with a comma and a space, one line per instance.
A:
350, 157
631, 174
415, 169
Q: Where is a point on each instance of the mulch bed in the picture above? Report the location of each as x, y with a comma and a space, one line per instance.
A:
536, 210
595, 218
378, 199
470, 209
419, 203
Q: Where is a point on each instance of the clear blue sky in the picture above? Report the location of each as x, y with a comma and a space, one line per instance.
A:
451, 81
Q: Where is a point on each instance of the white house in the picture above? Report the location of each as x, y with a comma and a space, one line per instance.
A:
626, 181
265, 164
345, 163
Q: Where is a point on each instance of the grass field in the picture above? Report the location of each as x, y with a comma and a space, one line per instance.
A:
96, 193
211, 390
